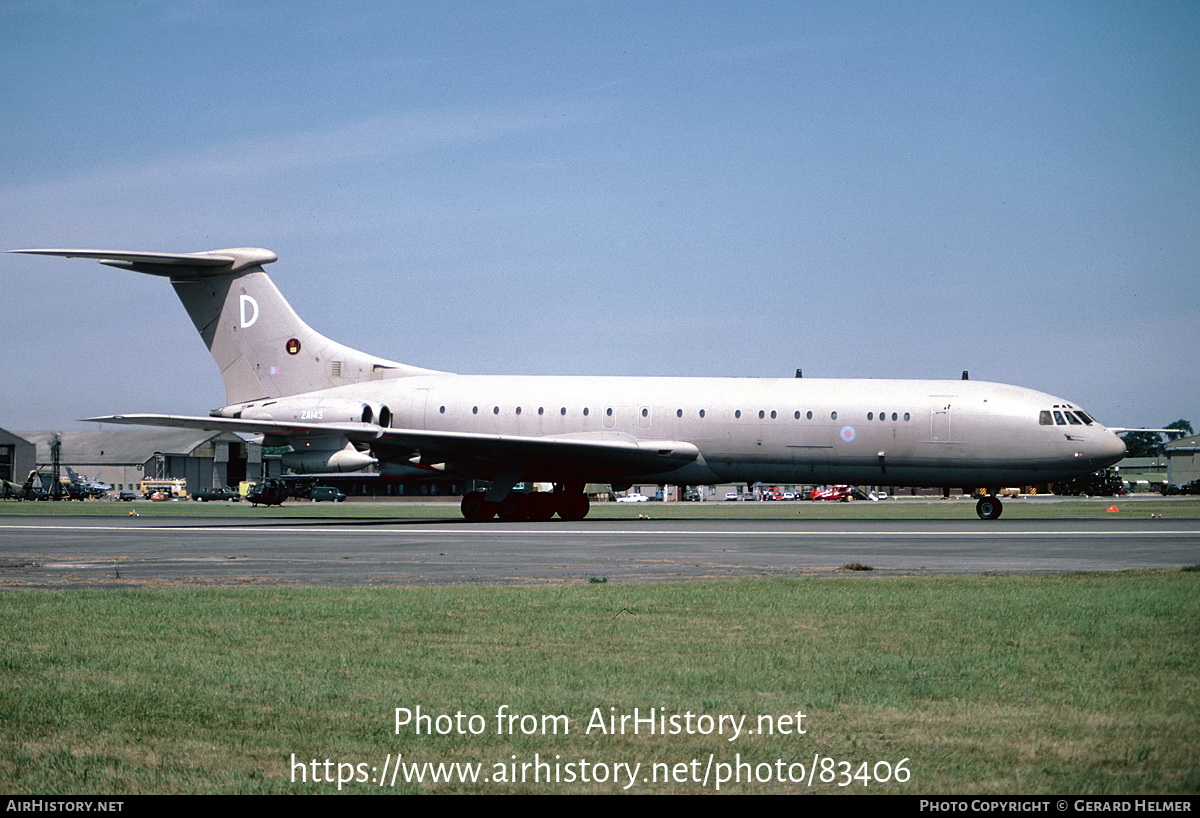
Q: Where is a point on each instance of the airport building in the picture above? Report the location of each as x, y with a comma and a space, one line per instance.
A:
1183, 460
17, 456
124, 457
1143, 473
1178, 464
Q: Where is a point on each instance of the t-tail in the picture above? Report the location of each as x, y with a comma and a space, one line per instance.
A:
261, 346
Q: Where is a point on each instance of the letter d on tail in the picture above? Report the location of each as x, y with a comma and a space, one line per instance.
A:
249, 322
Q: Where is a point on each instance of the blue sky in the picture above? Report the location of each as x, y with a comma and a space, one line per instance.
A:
860, 189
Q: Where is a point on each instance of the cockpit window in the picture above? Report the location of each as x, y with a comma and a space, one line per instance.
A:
1044, 418
1058, 418
1084, 417
1074, 421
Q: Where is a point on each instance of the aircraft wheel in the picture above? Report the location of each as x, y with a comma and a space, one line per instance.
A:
514, 508
475, 509
989, 508
573, 506
541, 506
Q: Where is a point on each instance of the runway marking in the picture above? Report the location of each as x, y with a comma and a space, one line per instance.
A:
594, 532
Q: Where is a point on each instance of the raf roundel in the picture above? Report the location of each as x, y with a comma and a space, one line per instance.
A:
293, 346
847, 433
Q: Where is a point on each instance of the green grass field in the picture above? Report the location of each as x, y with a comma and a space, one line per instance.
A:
987, 684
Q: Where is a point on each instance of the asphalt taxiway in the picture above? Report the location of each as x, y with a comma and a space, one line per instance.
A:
139, 552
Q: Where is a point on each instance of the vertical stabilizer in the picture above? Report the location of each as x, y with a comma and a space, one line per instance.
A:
261, 346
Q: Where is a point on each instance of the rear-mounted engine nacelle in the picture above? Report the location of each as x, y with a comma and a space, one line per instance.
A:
311, 410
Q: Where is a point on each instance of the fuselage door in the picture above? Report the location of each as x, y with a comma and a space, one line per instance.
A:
939, 426
416, 408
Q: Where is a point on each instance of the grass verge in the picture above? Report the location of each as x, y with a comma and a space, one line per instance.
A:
989, 684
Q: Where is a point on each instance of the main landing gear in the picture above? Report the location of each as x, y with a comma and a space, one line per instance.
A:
569, 502
989, 507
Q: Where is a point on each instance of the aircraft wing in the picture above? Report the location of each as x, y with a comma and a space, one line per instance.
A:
1120, 430
354, 431
462, 452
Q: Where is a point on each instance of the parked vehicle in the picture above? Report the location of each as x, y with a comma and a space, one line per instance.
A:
331, 493
1104, 483
215, 494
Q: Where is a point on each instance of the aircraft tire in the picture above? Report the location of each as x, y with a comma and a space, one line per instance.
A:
514, 508
476, 509
573, 506
989, 508
541, 506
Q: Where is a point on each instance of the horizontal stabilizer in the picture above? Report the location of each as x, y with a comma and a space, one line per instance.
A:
175, 265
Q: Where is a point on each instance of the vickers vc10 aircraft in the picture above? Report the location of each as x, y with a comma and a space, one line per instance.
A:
344, 410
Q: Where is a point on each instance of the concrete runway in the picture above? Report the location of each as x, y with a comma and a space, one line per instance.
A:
36, 552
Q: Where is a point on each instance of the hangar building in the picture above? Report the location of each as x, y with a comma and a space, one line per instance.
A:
125, 457
1183, 460
16, 457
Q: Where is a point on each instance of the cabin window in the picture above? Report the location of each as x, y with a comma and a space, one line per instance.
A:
906, 416
562, 411
518, 410
761, 414
809, 415
893, 415
738, 413
701, 413
495, 410
541, 410
442, 410
645, 412
608, 411
474, 410
678, 413
585, 411
870, 415
772, 414
833, 415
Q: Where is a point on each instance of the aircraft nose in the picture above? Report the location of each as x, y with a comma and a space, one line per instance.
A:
1110, 448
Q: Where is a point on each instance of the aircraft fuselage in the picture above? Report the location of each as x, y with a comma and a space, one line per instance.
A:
779, 430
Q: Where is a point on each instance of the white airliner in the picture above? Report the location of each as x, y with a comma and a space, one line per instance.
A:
344, 410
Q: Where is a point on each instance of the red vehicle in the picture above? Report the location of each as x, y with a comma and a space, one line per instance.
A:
842, 493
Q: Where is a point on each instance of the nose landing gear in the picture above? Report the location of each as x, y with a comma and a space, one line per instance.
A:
989, 507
